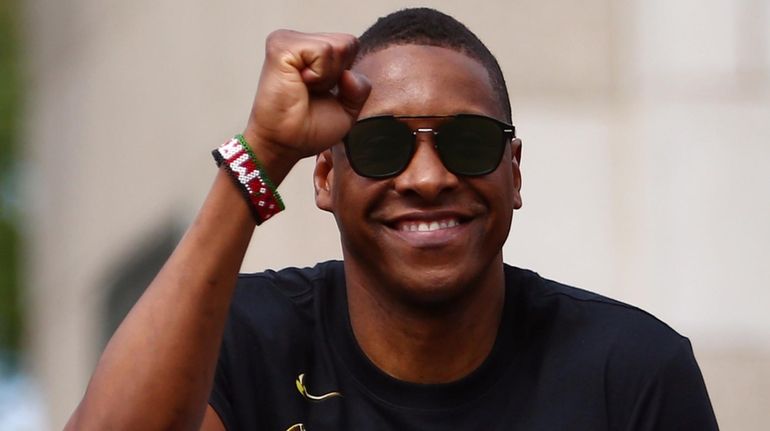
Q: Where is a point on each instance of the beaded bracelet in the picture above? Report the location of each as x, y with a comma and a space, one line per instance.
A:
243, 166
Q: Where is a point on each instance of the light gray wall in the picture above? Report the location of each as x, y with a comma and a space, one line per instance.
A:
644, 124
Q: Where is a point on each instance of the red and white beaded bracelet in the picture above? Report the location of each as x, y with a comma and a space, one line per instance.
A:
251, 178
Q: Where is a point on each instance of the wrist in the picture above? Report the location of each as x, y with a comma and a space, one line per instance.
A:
249, 174
275, 160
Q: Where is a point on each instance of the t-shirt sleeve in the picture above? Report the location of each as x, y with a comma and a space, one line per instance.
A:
259, 334
239, 349
674, 397
219, 399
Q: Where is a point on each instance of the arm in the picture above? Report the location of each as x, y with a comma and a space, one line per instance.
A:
157, 370
211, 421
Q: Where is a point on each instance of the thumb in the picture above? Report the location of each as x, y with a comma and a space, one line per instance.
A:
353, 90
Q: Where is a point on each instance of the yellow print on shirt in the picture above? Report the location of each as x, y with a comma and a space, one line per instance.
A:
303, 390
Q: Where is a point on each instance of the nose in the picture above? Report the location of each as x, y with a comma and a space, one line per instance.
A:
425, 176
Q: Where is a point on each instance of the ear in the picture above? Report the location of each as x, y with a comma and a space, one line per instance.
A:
323, 179
516, 167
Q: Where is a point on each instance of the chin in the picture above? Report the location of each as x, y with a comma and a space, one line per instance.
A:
432, 288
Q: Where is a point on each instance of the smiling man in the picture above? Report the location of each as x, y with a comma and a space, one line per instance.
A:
422, 326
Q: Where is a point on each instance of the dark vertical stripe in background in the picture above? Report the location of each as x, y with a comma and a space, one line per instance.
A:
10, 109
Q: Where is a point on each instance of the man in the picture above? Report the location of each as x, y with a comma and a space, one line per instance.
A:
423, 327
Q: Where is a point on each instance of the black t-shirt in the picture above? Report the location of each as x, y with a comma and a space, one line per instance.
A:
564, 359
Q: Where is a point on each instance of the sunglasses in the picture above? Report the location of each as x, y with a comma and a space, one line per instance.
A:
467, 144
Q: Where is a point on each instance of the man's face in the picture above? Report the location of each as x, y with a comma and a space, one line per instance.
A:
468, 218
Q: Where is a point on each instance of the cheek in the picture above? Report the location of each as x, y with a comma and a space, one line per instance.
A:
353, 196
500, 188
502, 206
508, 171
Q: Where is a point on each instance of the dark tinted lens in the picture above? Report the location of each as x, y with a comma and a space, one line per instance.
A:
470, 145
379, 147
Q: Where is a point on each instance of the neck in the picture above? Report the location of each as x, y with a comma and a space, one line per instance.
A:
426, 343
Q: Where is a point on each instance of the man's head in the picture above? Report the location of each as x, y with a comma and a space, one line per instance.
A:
423, 26
426, 234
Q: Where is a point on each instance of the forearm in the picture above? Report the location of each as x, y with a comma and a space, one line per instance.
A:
157, 370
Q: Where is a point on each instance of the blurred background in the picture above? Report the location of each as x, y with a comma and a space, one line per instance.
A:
645, 124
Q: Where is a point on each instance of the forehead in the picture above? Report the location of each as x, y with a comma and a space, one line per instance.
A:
426, 80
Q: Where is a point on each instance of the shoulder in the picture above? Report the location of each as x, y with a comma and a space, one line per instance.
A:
644, 370
593, 325
293, 282
271, 297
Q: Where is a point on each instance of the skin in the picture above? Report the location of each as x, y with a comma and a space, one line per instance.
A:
157, 370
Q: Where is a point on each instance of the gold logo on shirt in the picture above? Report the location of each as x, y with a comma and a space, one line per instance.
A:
296, 427
303, 390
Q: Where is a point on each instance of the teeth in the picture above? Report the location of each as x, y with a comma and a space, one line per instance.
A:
424, 226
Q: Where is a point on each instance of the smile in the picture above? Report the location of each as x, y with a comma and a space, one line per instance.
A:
427, 226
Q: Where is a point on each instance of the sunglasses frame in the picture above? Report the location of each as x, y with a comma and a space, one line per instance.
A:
508, 132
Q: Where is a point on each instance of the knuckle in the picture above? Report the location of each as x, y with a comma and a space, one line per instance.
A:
276, 36
277, 39
326, 49
272, 42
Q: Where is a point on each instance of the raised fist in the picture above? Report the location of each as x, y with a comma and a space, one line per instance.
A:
307, 97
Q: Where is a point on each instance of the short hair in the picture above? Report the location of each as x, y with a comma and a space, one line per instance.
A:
425, 26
